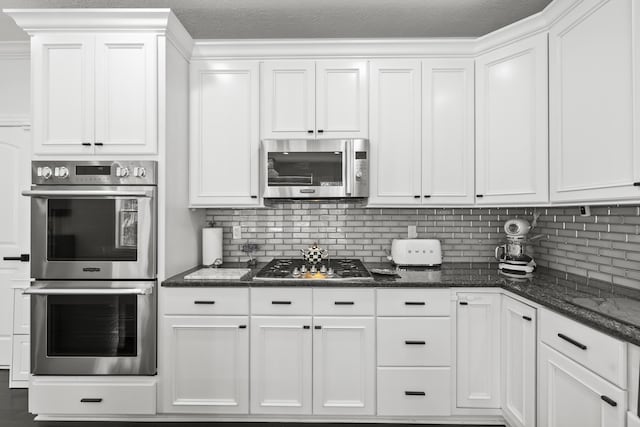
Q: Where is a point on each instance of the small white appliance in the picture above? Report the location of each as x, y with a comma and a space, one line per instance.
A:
511, 256
416, 252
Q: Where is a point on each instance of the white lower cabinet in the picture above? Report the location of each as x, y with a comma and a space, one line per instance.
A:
207, 364
571, 395
478, 350
414, 391
20, 364
281, 364
344, 365
518, 362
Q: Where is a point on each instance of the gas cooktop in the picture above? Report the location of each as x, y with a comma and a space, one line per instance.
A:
296, 269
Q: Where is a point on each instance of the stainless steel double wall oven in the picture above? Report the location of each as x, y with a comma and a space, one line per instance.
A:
93, 258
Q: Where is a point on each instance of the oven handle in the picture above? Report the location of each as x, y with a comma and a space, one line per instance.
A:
85, 193
58, 291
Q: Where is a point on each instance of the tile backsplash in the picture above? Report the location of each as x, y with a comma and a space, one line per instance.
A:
604, 246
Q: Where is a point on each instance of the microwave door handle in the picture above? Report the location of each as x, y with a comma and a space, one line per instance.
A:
58, 291
85, 193
348, 168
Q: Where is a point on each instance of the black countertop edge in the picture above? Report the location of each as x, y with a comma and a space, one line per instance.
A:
547, 289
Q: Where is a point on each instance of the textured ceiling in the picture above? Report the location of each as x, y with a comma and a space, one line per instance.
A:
238, 19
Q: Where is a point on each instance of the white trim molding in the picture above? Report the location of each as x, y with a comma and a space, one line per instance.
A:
11, 120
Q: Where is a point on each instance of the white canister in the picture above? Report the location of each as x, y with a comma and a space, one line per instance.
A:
211, 245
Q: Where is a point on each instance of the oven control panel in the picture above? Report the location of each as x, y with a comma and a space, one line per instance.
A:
60, 172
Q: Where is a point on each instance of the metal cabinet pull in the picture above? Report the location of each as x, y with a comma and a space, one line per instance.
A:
527, 318
416, 197
415, 393
415, 303
413, 342
306, 327
21, 258
317, 327
479, 195
254, 197
320, 130
464, 303
572, 341
91, 400
426, 196
86, 144
343, 302
636, 184
204, 302
310, 131
98, 144
609, 400
242, 326
281, 302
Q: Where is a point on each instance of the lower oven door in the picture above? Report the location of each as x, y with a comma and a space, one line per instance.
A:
93, 328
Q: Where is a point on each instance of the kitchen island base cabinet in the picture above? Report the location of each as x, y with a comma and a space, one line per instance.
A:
571, 395
414, 391
207, 366
344, 365
281, 365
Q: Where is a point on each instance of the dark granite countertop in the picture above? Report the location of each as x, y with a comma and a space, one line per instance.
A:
612, 309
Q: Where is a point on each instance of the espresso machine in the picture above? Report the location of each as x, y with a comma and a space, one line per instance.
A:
511, 256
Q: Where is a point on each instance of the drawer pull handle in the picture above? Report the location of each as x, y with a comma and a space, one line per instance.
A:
242, 326
281, 302
415, 393
306, 327
204, 302
572, 341
317, 327
411, 342
609, 400
464, 303
415, 303
91, 400
343, 302
527, 318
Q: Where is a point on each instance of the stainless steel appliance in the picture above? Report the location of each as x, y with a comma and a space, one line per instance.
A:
93, 220
93, 328
330, 168
339, 269
511, 256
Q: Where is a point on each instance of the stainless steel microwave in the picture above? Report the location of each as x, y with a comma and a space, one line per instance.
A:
301, 168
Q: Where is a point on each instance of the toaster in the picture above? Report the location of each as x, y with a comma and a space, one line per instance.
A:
419, 252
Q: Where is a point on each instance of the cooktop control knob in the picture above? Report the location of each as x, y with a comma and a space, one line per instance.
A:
45, 172
313, 269
296, 272
63, 172
330, 271
303, 268
139, 172
122, 172
358, 174
323, 268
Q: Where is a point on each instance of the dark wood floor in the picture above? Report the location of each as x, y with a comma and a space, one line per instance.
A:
13, 413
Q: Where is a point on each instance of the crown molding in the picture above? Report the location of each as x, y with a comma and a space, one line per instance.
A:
333, 48
179, 36
15, 50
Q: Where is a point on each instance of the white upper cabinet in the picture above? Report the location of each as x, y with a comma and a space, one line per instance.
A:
309, 99
224, 133
594, 74
395, 116
95, 94
511, 124
447, 132
422, 132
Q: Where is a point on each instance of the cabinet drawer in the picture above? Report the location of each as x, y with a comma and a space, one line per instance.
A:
414, 391
344, 302
414, 302
414, 341
281, 301
72, 396
599, 352
221, 301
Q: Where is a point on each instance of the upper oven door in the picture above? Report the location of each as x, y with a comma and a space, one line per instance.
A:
88, 232
305, 168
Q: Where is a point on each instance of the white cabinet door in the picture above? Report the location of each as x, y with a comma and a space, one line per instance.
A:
478, 350
595, 102
448, 132
518, 362
288, 99
344, 366
126, 88
205, 364
21, 356
571, 395
63, 84
15, 152
512, 129
224, 133
21, 312
395, 122
342, 99
281, 365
